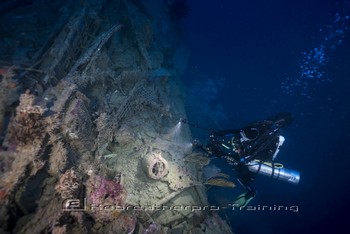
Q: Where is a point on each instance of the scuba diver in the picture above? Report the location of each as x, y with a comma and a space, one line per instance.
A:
252, 150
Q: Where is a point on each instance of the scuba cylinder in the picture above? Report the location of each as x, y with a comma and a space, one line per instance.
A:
275, 171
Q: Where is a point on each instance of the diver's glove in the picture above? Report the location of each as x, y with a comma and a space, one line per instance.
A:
243, 199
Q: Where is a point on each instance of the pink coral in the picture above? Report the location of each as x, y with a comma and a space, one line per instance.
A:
104, 197
105, 190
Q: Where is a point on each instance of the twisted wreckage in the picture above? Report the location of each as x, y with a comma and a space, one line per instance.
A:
90, 95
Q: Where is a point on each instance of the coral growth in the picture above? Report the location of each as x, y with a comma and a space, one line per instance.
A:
69, 185
102, 193
58, 160
29, 125
99, 104
104, 190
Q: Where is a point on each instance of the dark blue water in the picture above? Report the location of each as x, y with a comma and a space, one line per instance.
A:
252, 59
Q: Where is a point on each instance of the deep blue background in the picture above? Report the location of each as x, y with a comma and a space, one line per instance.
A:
241, 52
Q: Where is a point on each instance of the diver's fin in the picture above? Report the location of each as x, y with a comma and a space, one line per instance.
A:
242, 200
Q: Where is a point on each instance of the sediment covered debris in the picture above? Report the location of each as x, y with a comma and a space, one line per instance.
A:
89, 101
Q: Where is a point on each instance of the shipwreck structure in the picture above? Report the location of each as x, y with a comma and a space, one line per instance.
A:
90, 104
